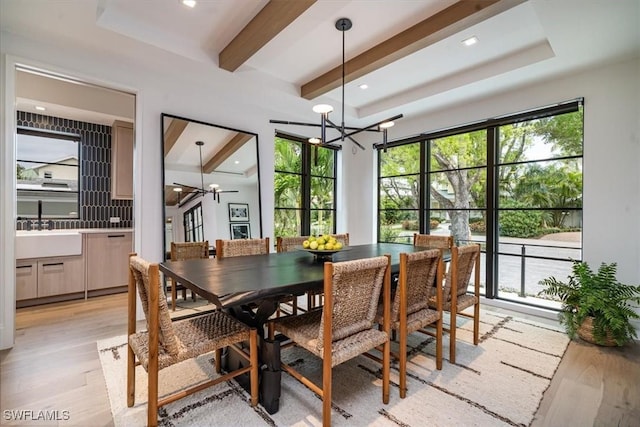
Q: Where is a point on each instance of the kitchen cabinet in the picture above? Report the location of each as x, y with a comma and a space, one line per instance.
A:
57, 276
107, 259
122, 160
26, 279
46, 277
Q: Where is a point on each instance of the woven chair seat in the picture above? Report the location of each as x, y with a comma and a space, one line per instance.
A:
195, 336
415, 321
464, 301
303, 329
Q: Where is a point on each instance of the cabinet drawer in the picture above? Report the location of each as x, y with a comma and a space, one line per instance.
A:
57, 276
26, 280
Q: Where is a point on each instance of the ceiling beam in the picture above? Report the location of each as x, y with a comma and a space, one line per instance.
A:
273, 18
172, 134
455, 18
225, 152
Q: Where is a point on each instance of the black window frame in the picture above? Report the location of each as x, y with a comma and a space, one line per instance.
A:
307, 153
190, 226
491, 126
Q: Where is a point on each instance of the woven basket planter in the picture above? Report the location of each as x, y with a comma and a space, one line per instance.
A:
586, 333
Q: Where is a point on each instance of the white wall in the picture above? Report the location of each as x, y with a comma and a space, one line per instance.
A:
164, 84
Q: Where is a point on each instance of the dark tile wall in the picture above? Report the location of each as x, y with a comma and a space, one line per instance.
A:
96, 206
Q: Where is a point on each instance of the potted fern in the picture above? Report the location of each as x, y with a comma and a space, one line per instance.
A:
595, 306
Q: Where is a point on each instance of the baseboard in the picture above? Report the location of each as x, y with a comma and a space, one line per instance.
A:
520, 308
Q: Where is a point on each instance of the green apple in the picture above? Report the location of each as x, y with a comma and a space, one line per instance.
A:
313, 245
306, 244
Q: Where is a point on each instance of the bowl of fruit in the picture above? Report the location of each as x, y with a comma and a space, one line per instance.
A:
322, 246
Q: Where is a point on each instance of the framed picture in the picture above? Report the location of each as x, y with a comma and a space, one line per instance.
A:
240, 231
239, 212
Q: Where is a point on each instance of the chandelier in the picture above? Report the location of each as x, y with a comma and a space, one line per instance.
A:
343, 25
213, 189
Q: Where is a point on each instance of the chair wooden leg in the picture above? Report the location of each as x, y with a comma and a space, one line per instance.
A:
131, 377
174, 295
452, 336
439, 344
402, 353
152, 405
326, 392
218, 359
253, 356
386, 368
476, 323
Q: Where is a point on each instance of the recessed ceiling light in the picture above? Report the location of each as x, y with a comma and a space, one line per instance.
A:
237, 162
40, 108
470, 41
363, 86
314, 140
189, 3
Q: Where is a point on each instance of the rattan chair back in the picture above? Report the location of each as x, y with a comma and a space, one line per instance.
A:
431, 241
241, 247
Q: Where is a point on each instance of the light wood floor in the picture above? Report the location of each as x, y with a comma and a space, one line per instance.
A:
54, 365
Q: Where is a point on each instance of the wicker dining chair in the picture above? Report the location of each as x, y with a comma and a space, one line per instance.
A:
166, 343
345, 326
241, 247
181, 251
288, 244
420, 279
432, 241
314, 298
455, 297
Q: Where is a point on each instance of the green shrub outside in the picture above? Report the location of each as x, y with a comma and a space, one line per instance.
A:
520, 223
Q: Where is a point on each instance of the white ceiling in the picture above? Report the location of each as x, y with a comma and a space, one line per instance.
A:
535, 40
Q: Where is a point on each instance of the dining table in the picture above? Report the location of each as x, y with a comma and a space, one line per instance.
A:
250, 288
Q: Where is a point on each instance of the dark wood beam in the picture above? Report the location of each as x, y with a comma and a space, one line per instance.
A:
172, 134
273, 18
443, 24
225, 152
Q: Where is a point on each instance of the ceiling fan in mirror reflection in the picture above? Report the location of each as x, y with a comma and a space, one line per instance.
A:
213, 189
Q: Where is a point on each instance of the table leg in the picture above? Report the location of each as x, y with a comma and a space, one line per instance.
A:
269, 354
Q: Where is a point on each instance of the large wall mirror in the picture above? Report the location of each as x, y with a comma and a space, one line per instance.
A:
211, 182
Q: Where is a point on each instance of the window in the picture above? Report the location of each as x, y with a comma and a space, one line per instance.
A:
512, 184
47, 170
193, 225
304, 186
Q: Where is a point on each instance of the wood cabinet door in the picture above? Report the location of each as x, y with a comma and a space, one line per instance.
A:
122, 160
26, 279
108, 259
57, 276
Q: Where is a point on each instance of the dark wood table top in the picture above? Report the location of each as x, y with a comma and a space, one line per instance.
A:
240, 280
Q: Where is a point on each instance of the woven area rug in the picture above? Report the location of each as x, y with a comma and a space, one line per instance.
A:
500, 382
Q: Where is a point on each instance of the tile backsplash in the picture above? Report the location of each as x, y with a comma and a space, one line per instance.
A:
96, 205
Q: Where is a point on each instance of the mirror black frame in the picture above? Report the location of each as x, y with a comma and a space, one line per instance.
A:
162, 156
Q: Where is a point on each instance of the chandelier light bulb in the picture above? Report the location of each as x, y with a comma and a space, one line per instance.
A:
322, 108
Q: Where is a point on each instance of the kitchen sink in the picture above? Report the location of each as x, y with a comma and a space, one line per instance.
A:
48, 243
